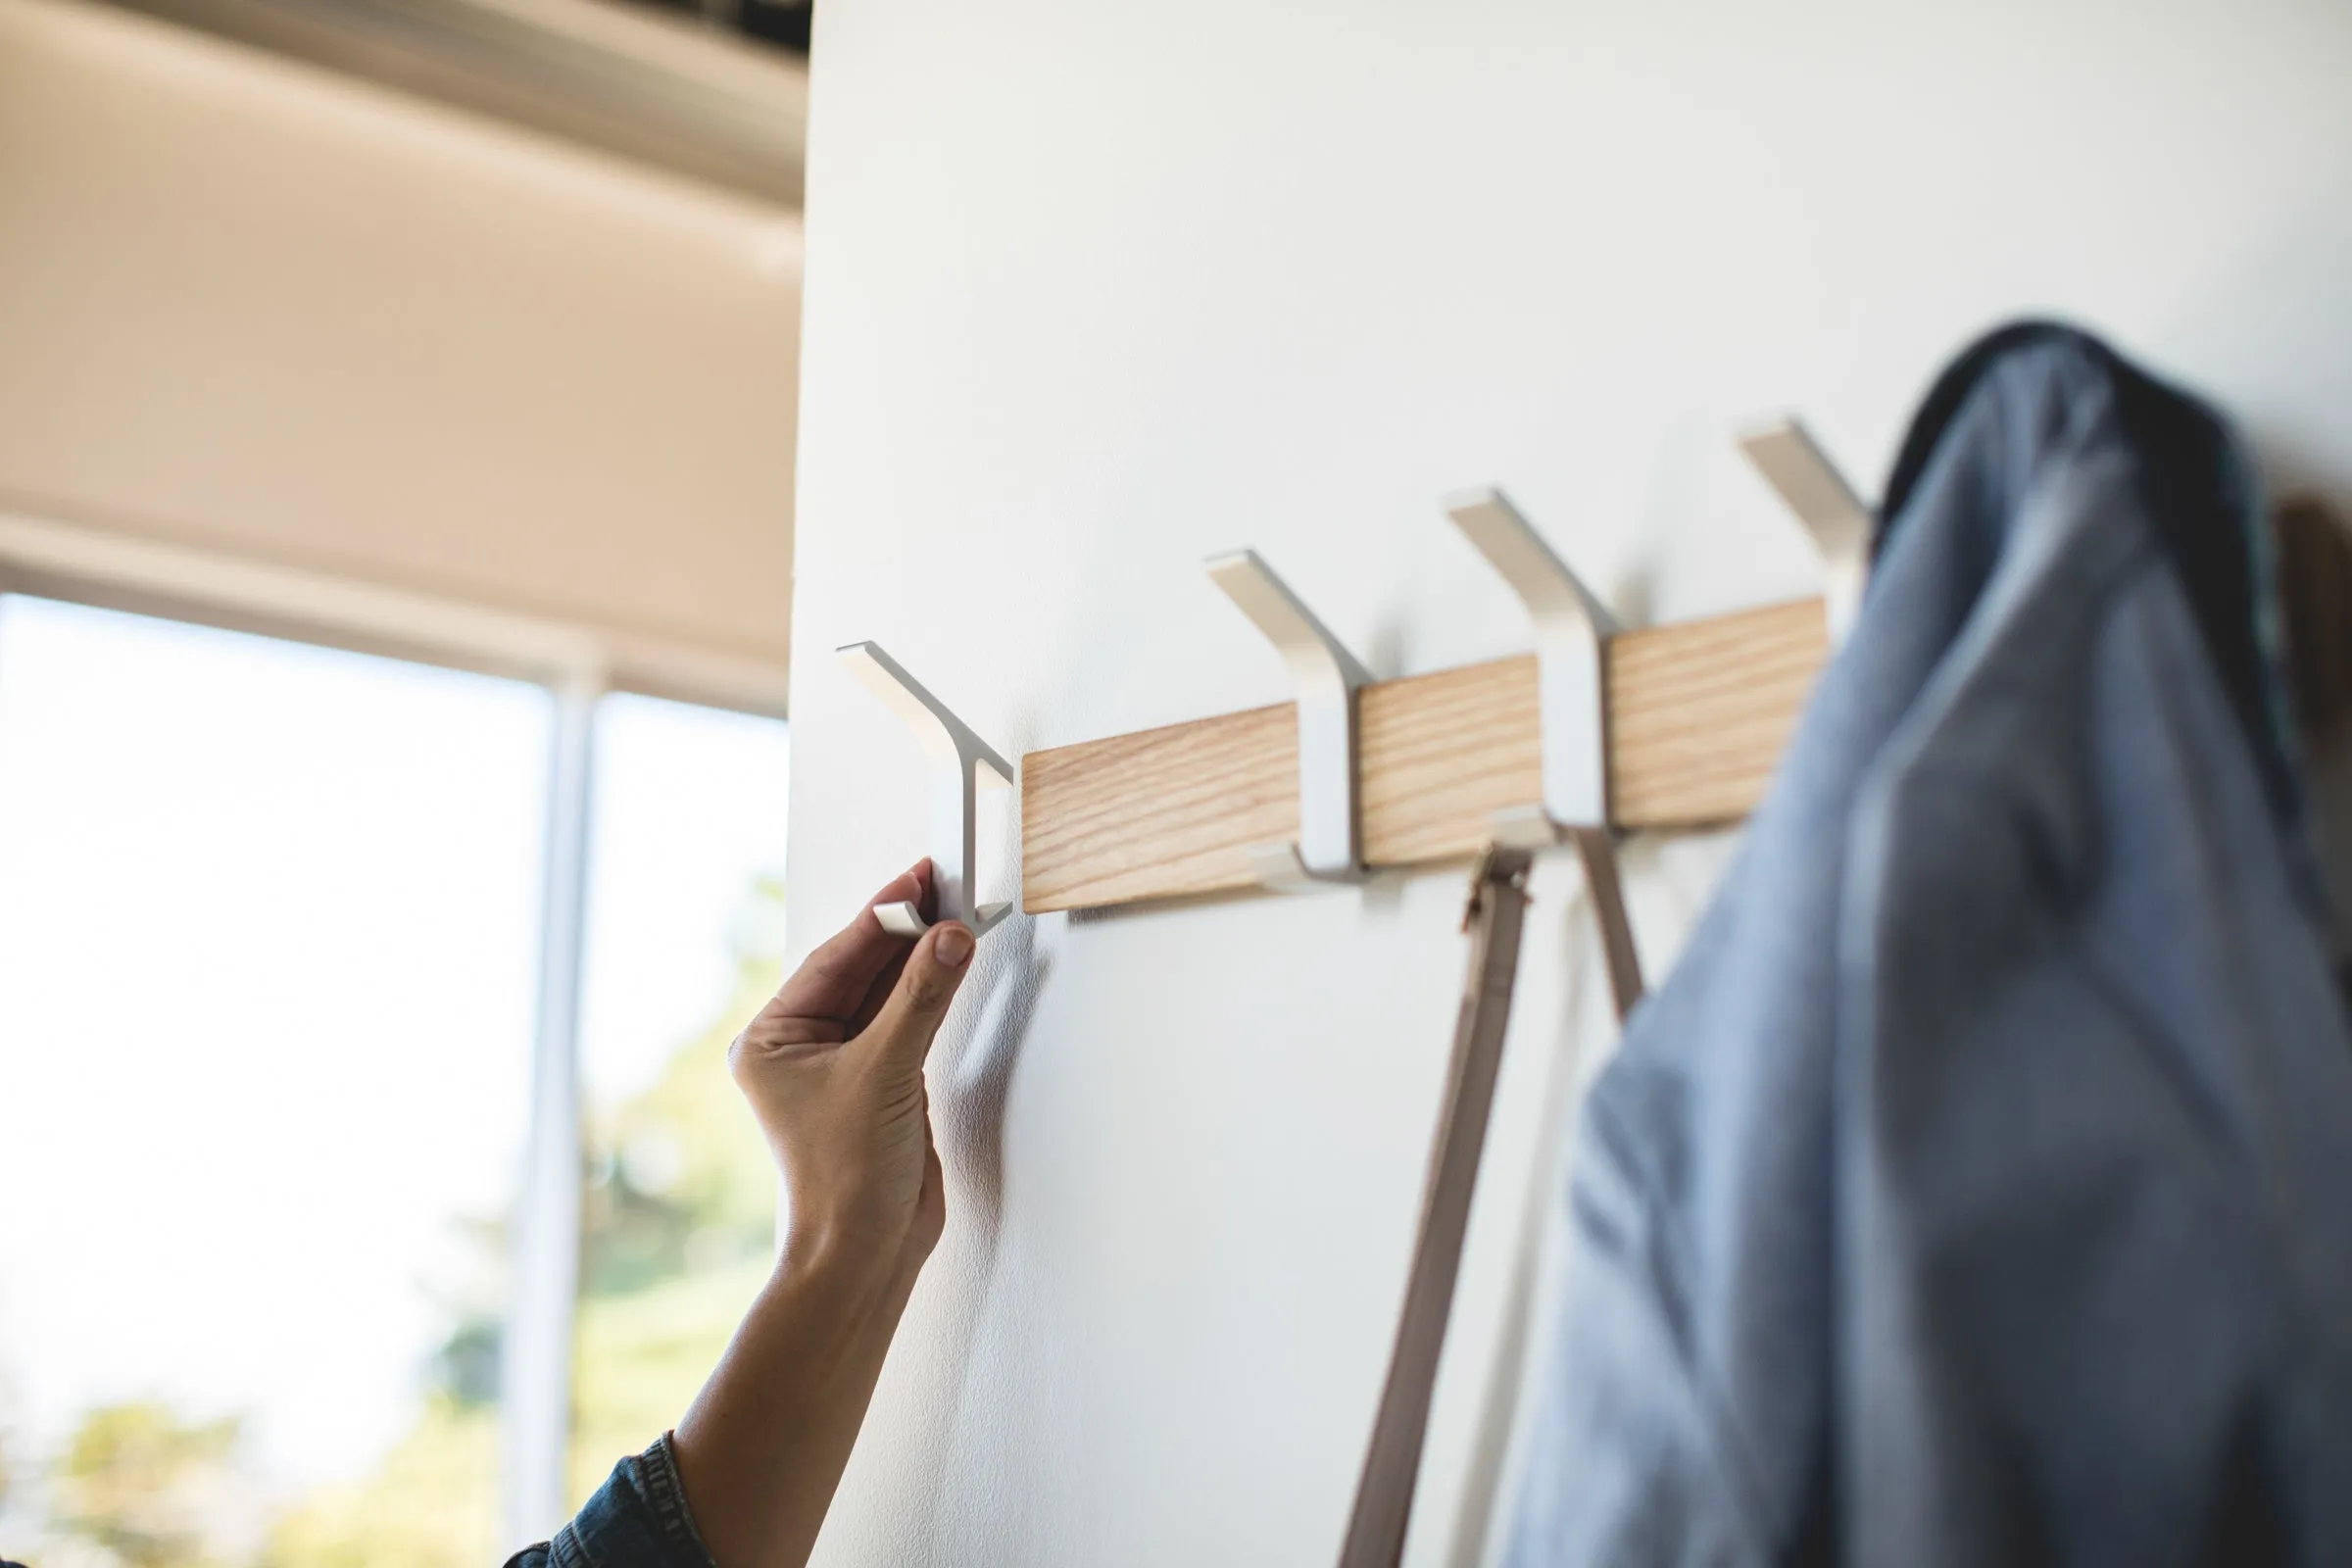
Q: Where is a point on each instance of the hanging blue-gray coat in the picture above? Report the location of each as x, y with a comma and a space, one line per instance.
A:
1978, 1188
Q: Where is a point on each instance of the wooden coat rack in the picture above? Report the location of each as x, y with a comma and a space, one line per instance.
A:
1698, 714
1694, 717
1601, 731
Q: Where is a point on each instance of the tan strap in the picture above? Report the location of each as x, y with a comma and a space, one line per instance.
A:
1384, 1496
1596, 846
1384, 1493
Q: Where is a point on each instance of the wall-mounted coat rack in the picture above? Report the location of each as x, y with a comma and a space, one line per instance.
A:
1698, 714
1659, 727
1601, 731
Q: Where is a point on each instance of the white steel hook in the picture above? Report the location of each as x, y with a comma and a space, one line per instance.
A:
1571, 706
1809, 484
1571, 623
1326, 677
962, 764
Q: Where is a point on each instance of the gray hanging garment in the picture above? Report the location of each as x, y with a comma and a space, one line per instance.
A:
1978, 1189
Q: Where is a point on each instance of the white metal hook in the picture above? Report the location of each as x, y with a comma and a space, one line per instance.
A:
1572, 625
1326, 678
1571, 621
962, 764
1792, 462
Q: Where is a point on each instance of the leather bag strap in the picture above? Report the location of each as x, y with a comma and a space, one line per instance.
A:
1384, 1495
1496, 913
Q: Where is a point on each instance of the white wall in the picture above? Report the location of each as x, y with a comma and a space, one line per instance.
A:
1096, 290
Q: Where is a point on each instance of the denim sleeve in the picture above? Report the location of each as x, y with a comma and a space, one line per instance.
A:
637, 1519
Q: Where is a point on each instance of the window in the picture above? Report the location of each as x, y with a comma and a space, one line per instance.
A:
685, 932
271, 932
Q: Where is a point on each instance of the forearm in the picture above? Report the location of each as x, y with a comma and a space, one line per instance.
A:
833, 1068
765, 1444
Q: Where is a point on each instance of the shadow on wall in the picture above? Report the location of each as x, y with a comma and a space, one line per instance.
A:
977, 1079
973, 1076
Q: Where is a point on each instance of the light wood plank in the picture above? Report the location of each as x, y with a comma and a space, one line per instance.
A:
1159, 813
1699, 712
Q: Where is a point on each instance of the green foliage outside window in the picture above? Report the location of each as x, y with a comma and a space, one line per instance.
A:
678, 1220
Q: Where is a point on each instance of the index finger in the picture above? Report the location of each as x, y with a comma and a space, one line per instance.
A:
834, 981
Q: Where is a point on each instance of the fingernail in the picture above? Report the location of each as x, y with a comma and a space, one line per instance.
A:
954, 945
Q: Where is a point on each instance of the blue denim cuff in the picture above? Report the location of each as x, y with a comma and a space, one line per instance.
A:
637, 1519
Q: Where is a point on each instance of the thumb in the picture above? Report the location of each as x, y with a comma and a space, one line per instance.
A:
902, 1030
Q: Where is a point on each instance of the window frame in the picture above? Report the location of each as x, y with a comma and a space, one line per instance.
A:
577, 667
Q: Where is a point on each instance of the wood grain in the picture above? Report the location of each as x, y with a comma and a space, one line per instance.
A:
1699, 712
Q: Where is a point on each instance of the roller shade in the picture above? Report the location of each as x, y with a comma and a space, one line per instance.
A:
304, 331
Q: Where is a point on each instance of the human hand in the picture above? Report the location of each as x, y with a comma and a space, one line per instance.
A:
833, 1068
